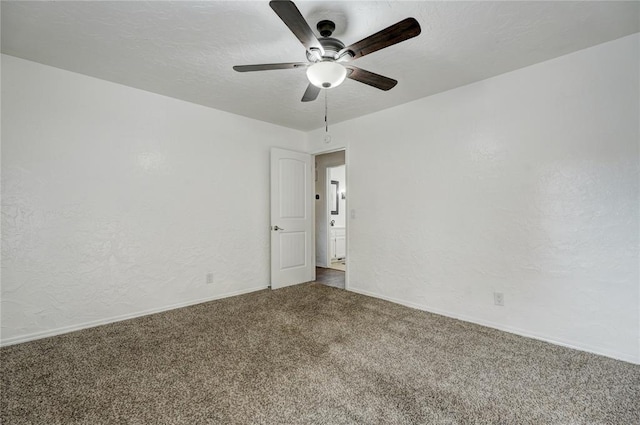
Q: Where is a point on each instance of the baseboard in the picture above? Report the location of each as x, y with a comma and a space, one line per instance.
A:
94, 323
569, 344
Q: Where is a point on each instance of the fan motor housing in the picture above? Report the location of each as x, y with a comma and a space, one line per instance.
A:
331, 48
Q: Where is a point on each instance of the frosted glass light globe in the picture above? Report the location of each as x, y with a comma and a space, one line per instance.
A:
326, 75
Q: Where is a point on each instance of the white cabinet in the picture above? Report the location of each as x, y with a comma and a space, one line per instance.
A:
338, 242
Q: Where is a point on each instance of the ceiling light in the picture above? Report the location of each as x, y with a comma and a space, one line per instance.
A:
326, 75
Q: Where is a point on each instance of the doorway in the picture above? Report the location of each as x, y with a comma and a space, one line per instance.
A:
336, 203
330, 218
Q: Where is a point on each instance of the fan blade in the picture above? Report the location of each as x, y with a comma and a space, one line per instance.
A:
367, 77
291, 16
269, 66
311, 93
394, 34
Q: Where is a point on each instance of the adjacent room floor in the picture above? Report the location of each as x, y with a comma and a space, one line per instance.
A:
338, 265
309, 354
330, 277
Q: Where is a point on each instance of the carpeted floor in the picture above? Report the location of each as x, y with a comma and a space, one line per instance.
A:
309, 354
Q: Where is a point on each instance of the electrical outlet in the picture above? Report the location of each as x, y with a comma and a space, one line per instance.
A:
209, 278
498, 298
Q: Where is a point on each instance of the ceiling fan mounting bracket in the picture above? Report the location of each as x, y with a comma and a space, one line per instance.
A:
326, 28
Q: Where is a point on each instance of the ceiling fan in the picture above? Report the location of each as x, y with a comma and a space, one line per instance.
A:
328, 58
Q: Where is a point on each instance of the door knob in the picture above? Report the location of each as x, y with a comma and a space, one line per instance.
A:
276, 228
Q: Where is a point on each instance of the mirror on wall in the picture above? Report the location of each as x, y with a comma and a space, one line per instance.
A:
334, 197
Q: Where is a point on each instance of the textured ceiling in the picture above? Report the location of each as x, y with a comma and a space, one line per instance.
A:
187, 49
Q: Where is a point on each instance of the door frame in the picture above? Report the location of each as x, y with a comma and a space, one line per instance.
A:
346, 207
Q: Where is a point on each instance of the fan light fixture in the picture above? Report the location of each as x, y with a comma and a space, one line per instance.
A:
326, 75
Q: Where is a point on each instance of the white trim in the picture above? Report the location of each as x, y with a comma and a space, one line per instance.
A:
94, 323
565, 343
347, 219
328, 150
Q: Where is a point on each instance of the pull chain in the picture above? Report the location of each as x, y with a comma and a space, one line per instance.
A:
326, 122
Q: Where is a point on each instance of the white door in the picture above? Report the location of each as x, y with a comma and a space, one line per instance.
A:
291, 218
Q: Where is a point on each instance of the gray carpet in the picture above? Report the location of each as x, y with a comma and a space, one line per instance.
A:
309, 354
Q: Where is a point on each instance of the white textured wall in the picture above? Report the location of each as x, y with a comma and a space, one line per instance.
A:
117, 201
526, 183
322, 162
